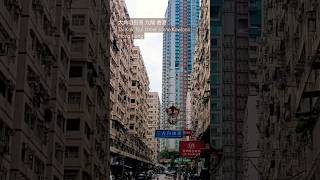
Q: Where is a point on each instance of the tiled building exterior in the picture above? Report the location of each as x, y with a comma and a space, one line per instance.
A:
228, 85
128, 97
9, 37
153, 123
42, 75
200, 79
251, 133
87, 130
139, 96
289, 90
120, 80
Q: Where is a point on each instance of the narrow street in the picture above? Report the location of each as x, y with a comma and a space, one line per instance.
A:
164, 177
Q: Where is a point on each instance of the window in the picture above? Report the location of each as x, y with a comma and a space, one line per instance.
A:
23, 152
243, 24
65, 27
92, 27
58, 152
46, 26
74, 98
75, 71
6, 89
228, 77
13, 8
60, 120
62, 90
64, 60
77, 45
312, 21
39, 166
71, 152
113, 125
3, 86
4, 138
29, 117
86, 156
87, 131
73, 125
131, 126
78, 19
93, 3
215, 92
133, 100
89, 105
71, 174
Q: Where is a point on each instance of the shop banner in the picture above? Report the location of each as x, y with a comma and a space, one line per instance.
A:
190, 149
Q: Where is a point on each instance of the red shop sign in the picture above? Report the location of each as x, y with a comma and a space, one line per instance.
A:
190, 148
187, 132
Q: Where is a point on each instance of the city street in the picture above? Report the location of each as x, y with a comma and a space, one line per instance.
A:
159, 89
164, 177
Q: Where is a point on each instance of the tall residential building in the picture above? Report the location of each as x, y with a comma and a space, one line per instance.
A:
200, 79
251, 133
87, 126
39, 110
139, 96
228, 85
129, 87
288, 66
200, 86
178, 50
36, 74
120, 82
9, 37
189, 111
153, 123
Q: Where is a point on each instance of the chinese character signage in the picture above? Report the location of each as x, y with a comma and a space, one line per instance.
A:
139, 26
169, 134
190, 149
187, 132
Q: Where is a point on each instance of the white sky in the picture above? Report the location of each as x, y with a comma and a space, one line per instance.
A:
151, 45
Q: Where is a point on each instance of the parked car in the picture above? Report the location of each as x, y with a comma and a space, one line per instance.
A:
141, 176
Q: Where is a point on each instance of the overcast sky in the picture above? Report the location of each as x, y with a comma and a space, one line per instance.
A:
151, 45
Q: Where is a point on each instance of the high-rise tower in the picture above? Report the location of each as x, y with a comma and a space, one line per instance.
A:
178, 50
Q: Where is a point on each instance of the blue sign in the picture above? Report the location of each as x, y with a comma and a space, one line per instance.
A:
169, 134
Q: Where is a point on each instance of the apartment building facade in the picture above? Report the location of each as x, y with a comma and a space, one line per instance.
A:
200, 79
228, 86
251, 133
40, 91
153, 124
9, 37
41, 79
86, 151
128, 98
200, 87
139, 96
178, 50
289, 90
